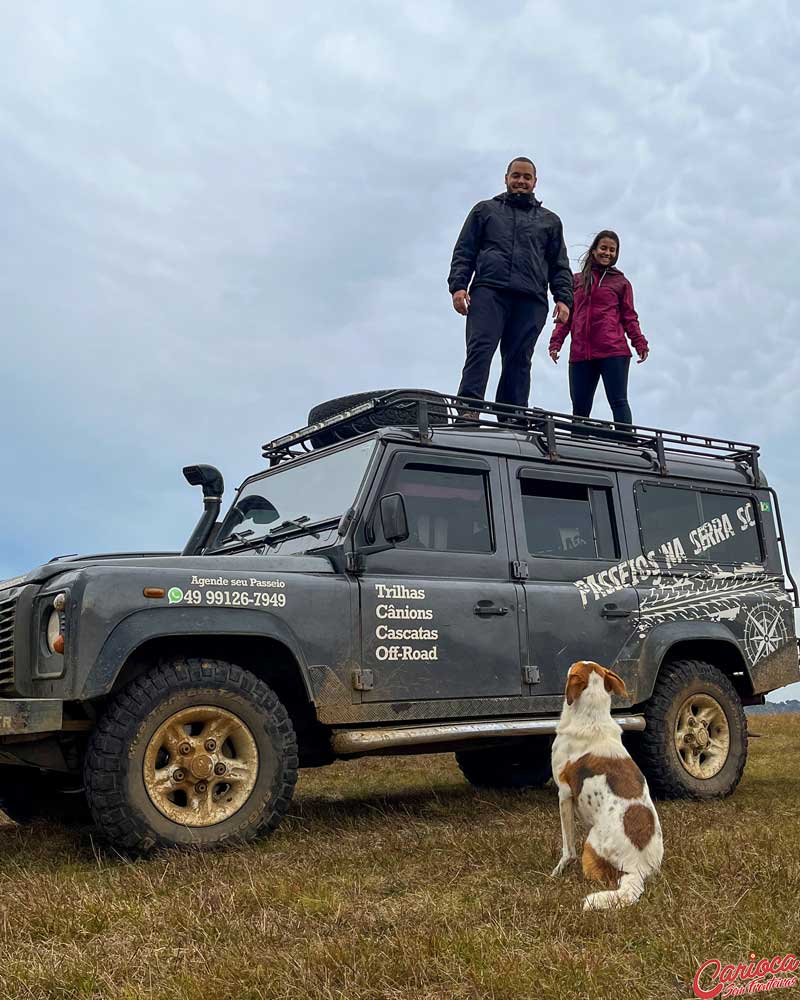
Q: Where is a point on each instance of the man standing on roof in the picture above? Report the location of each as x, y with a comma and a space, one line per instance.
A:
508, 252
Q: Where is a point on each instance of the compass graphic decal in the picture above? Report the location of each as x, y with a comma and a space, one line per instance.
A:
764, 631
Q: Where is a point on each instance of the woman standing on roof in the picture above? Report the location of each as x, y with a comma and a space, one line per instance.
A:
601, 317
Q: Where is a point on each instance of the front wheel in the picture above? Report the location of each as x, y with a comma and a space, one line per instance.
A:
695, 741
195, 752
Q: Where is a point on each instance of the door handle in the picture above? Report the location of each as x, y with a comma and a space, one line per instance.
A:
486, 608
612, 611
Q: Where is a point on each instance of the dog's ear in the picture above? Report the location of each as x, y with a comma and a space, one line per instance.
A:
577, 680
615, 684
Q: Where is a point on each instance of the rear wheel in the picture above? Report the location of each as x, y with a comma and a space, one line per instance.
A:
196, 752
695, 741
522, 766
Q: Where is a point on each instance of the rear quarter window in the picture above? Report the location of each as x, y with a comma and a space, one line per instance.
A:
683, 525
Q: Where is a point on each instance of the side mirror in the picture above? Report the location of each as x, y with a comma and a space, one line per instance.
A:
393, 518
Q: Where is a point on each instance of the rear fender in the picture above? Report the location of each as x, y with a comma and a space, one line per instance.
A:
688, 641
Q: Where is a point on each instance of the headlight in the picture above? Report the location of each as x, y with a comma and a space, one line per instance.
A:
55, 640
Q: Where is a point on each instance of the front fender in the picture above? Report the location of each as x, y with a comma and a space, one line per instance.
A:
155, 623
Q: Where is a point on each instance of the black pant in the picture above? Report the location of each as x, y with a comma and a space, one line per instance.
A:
583, 379
514, 322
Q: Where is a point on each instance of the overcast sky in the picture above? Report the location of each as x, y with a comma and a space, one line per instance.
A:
218, 214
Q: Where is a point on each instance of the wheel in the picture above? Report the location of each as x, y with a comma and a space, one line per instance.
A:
400, 414
195, 752
695, 741
26, 793
524, 765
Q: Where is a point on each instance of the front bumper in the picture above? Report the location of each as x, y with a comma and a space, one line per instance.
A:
30, 715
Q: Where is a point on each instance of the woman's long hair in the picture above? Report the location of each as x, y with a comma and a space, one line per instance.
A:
588, 257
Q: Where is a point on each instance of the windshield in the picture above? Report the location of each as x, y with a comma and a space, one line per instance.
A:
299, 495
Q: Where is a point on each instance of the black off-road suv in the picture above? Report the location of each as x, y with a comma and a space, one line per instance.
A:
400, 579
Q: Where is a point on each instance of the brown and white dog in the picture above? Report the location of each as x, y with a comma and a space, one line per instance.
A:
597, 778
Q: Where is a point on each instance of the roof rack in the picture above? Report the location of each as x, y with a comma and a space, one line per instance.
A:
424, 410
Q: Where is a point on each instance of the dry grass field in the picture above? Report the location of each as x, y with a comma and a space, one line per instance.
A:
393, 879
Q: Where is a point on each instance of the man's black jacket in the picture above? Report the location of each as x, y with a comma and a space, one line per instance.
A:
511, 242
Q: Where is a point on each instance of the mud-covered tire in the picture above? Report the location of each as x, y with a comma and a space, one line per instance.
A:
400, 414
122, 802
28, 794
521, 767
656, 749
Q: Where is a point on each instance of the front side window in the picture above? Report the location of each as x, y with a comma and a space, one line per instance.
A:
308, 493
685, 525
567, 520
447, 508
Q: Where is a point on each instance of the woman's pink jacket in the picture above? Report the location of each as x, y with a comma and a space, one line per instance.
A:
600, 319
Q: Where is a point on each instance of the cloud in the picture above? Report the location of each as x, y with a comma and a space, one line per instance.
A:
219, 214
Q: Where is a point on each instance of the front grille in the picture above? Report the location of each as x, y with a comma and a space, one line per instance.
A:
8, 605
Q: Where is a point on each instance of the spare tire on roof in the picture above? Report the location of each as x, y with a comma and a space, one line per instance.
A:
402, 413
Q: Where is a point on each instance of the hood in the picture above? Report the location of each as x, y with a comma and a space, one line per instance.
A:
207, 565
59, 564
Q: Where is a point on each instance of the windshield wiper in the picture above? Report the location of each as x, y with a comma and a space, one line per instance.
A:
272, 538
235, 536
242, 543
299, 522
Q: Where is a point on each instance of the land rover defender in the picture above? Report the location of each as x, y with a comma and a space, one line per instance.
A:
401, 578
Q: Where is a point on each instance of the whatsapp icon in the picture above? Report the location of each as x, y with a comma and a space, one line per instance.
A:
175, 595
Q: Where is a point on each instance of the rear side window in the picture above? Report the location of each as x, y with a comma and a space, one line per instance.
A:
568, 520
685, 525
447, 508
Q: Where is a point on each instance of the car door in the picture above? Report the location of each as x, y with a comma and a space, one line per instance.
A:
439, 611
567, 534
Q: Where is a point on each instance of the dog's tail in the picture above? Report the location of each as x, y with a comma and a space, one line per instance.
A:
631, 887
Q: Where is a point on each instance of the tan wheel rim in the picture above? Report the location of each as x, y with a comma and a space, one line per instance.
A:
702, 736
200, 766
